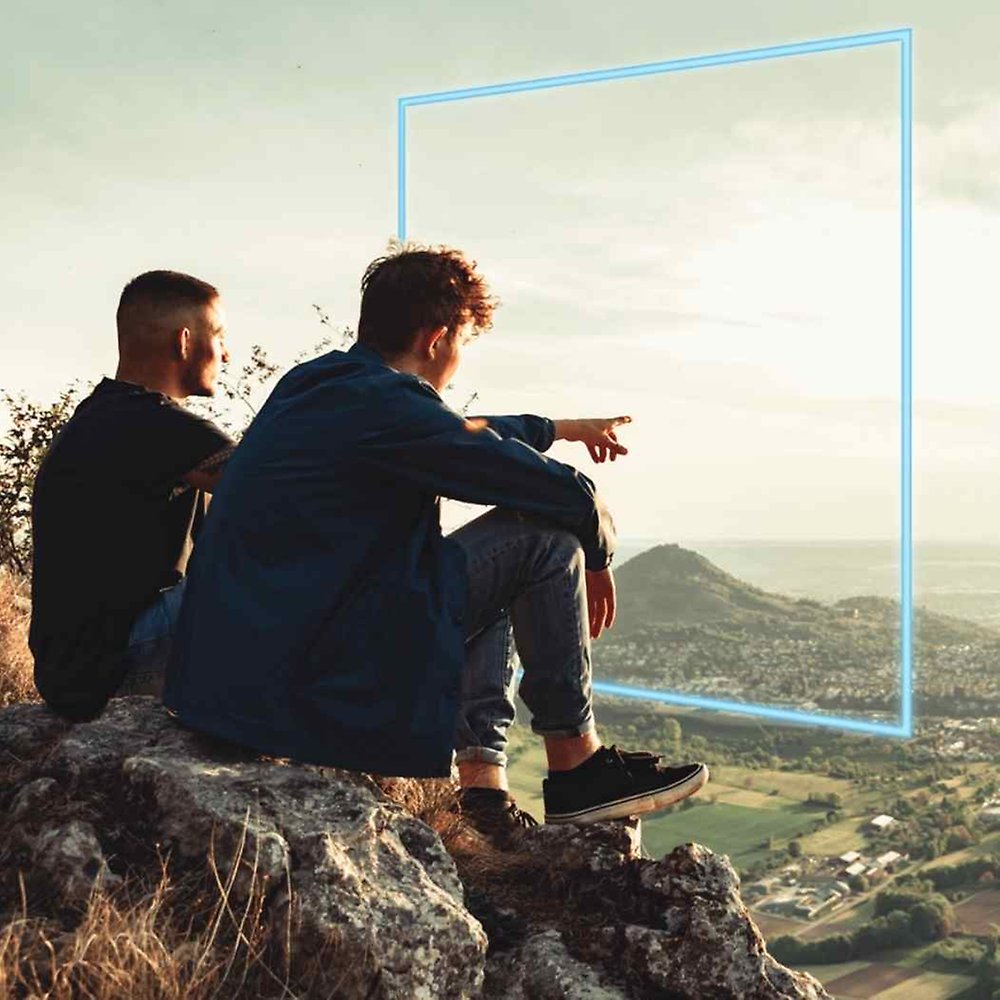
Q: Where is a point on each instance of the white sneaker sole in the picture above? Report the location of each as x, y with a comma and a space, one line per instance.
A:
635, 805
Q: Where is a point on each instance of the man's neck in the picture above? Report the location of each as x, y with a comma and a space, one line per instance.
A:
155, 381
412, 366
408, 363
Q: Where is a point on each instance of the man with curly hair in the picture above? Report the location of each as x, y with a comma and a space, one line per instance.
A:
328, 619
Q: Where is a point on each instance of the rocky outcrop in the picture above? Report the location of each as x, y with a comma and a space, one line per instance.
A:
367, 882
367, 885
674, 928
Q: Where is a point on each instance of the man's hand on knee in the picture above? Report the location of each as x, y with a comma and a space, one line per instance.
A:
600, 600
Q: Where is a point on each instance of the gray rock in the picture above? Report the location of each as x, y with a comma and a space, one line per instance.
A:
26, 730
701, 943
70, 855
542, 969
32, 799
672, 928
598, 847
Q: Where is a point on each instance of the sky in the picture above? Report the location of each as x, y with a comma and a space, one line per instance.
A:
715, 253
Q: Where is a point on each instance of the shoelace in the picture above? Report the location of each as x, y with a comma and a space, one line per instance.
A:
511, 811
522, 819
634, 760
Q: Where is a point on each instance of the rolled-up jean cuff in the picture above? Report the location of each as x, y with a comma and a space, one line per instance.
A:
565, 732
484, 755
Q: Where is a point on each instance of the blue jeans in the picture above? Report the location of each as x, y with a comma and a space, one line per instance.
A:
149, 643
526, 587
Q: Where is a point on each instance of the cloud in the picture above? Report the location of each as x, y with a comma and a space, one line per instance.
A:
959, 157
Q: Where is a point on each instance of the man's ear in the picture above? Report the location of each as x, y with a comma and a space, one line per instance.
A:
433, 336
182, 342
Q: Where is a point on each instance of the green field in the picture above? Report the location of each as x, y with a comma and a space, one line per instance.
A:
921, 986
928, 986
789, 784
772, 926
990, 844
828, 973
738, 831
836, 839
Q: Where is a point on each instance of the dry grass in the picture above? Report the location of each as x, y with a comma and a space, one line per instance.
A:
432, 800
229, 936
176, 939
16, 683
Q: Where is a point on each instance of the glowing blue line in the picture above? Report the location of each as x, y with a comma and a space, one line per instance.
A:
745, 708
401, 169
904, 36
648, 69
906, 236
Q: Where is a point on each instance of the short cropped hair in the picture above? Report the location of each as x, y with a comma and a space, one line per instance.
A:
156, 292
419, 288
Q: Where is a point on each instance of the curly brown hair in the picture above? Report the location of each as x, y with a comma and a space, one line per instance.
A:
415, 288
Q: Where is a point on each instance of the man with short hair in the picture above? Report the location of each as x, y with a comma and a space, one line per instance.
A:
120, 497
327, 618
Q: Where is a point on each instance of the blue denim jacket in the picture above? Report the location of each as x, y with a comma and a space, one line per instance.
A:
322, 618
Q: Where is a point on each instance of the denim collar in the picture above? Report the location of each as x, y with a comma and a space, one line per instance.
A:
366, 353
371, 356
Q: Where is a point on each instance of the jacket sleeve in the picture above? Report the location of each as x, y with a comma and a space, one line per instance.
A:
427, 444
539, 432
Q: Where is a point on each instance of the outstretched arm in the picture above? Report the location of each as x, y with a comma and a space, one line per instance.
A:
597, 433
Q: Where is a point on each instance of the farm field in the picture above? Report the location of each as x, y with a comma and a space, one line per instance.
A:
790, 784
828, 973
738, 831
979, 913
836, 839
887, 981
927, 986
772, 926
871, 980
990, 844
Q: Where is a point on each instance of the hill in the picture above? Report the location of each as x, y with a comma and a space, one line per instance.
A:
670, 586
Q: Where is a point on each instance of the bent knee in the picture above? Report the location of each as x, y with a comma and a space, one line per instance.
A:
552, 544
563, 546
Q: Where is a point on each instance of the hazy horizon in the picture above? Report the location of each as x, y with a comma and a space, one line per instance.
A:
957, 542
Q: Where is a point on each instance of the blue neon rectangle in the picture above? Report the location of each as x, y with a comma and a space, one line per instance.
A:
904, 38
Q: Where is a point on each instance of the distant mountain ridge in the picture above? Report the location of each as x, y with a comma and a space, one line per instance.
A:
672, 586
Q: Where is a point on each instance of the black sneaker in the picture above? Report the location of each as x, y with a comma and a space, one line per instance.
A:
494, 814
613, 784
